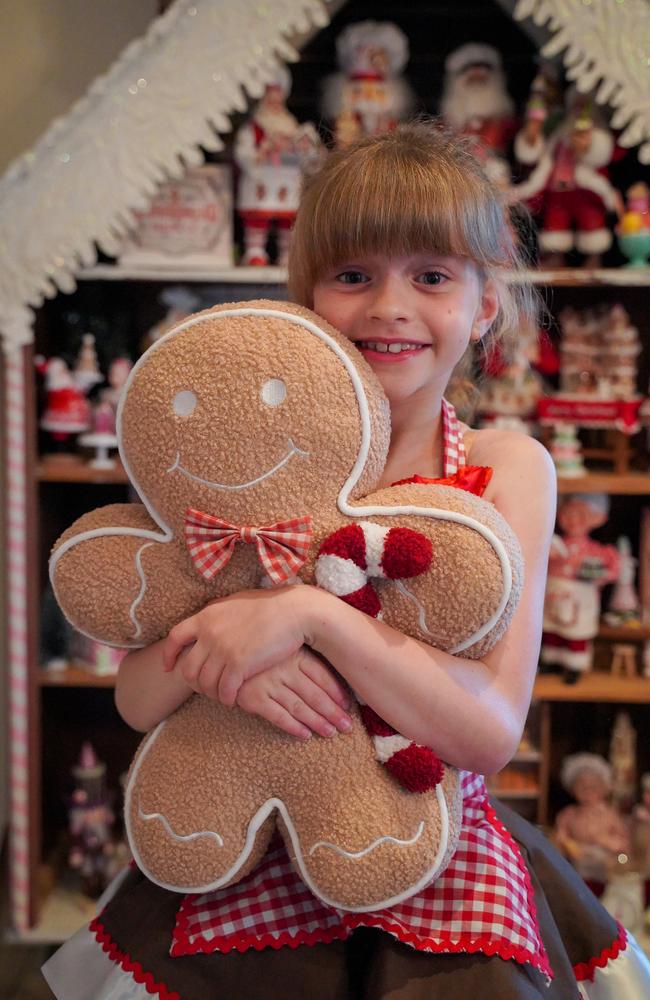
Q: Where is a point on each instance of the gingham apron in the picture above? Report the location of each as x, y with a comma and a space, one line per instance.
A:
483, 902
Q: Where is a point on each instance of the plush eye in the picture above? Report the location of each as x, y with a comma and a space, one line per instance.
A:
273, 392
184, 402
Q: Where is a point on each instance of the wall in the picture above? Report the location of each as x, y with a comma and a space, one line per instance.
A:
50, 51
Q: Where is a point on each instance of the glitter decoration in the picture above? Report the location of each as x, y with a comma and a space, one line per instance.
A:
606, 51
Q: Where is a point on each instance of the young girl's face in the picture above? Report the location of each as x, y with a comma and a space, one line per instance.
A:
412, 317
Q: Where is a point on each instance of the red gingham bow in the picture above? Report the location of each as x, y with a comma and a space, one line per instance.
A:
282, 548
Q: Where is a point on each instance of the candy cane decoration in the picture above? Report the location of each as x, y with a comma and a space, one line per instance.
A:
348, 560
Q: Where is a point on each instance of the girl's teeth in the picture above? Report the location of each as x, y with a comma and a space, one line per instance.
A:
388, 348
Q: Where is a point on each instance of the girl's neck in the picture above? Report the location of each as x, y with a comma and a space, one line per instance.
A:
416, 444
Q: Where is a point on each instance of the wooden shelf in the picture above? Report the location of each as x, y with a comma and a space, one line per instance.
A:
640, 633
624, 277
212, 276
526, 757
75, 469
594, 686
504, 792
631, 483
75, 675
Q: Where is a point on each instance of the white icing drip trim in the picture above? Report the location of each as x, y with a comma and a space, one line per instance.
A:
256, 822
142, 591
355, 855
293, 450
178, 836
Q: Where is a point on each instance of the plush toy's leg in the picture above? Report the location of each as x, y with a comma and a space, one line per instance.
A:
347, 560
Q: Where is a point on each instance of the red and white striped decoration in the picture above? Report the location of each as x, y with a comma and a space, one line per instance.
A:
348, 560
16, 540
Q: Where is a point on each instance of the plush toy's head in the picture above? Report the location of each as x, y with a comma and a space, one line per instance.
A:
256, 405
239, 421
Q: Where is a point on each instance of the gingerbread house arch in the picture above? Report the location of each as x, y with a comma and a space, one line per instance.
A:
169, 96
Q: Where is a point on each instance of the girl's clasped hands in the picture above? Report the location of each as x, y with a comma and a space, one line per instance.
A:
252, 650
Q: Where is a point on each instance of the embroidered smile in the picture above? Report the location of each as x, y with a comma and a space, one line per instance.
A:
292, 450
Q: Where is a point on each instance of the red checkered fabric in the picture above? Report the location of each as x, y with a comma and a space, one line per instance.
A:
482, 902
453, 447
282, 547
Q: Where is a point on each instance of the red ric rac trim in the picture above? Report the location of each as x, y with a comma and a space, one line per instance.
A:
133, 968
473, 478
587, 970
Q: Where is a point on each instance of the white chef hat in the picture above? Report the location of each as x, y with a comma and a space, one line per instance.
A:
354, 41
471, 54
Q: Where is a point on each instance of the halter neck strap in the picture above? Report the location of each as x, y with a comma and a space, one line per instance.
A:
453, 449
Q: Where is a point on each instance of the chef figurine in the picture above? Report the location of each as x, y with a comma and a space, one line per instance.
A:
271, 150
591, 833
579, 568
368, 95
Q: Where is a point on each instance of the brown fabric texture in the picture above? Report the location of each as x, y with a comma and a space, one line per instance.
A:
372, 965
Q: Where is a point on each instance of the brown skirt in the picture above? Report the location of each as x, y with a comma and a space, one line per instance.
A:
372, 965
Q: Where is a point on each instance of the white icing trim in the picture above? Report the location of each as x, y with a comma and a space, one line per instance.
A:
355, 855
178, 836
254, 826
293, 450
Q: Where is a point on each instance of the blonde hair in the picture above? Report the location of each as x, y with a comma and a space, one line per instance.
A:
416, 189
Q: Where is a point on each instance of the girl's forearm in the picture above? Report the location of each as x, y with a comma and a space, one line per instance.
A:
455, 705
144, 693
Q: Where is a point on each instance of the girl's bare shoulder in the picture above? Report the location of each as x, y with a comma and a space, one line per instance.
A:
516, 458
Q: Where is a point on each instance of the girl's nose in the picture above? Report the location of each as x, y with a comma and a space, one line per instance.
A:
389, 303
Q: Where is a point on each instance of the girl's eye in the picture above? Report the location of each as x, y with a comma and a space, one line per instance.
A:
432, 278
351, 277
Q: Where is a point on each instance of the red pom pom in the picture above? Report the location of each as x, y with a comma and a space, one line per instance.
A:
373, 723
348, 543
416, 768
365, 599
406, 553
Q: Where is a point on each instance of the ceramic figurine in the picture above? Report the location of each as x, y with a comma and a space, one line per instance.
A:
368, 95
624, 607
566, 451
90, 823
641, 827
271, 150
622, 759
575, 194
579, 568
86, 370
475, 99
67, 411
590, 833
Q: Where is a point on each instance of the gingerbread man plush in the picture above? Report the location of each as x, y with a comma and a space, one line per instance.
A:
259, 423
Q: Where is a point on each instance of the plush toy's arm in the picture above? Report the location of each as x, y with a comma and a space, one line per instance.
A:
97, 576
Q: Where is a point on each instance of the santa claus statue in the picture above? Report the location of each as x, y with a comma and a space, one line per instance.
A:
368, 95
569, 181
271, 150
475, 99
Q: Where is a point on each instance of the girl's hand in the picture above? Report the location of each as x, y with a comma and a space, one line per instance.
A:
300, 696
237, 637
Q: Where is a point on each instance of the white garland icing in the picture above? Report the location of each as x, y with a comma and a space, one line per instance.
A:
606, 47
170, 93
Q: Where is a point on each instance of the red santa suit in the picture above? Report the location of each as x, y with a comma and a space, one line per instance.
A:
576, 196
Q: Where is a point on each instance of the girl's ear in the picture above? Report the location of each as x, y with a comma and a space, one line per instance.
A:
487, 311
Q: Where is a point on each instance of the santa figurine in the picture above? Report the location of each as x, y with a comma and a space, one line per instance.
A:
67, 410
579, 567
476, 102
568, 178
369, 95
271, 150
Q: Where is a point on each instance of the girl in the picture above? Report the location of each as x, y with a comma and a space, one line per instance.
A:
402, 244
